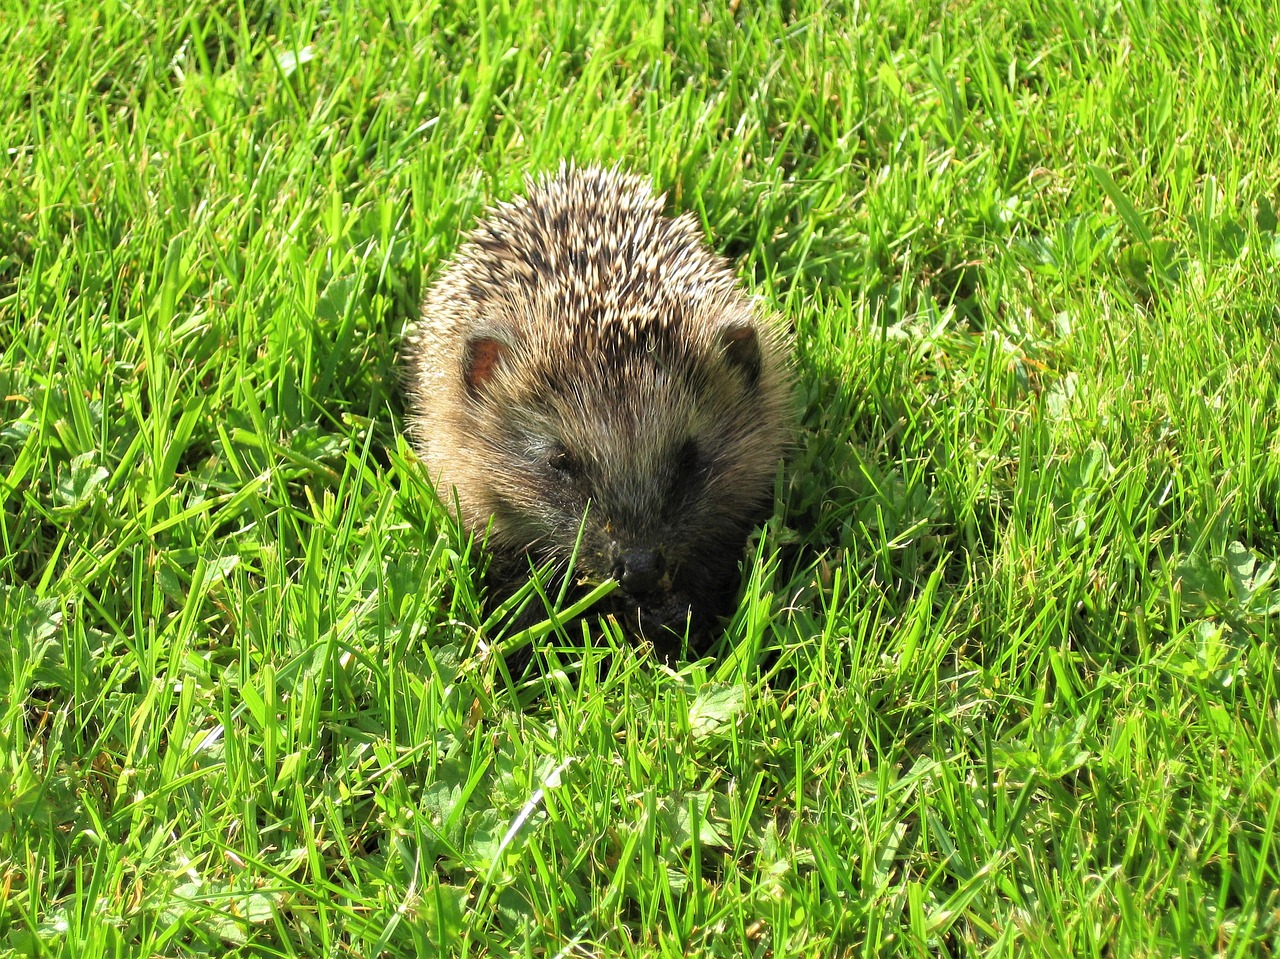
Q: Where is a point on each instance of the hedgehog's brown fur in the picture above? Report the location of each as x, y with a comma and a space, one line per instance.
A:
586, 355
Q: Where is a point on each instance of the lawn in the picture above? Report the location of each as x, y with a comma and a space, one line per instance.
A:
1003, 676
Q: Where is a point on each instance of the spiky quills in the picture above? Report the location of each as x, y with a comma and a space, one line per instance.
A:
595, 262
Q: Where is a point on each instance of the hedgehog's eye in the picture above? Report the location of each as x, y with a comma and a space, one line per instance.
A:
688, 459
563, 462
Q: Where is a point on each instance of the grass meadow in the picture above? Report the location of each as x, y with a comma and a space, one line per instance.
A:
1002, 680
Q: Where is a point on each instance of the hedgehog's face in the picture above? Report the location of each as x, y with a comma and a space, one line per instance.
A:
650, 471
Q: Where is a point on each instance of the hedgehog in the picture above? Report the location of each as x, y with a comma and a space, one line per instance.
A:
588, 381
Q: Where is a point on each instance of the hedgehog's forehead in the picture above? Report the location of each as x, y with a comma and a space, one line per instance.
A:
616, 374
637, 340
589, 398
620, 434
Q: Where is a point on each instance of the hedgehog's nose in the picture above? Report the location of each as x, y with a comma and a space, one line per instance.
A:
639, 570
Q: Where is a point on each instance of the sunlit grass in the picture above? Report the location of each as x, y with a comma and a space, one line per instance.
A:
1002, 680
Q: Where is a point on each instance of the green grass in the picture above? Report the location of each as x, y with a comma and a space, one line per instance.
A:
1003, 678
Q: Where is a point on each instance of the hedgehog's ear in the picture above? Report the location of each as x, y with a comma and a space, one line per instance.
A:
480, 361
740, 344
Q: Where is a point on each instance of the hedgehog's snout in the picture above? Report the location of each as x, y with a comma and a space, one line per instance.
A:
639, 571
